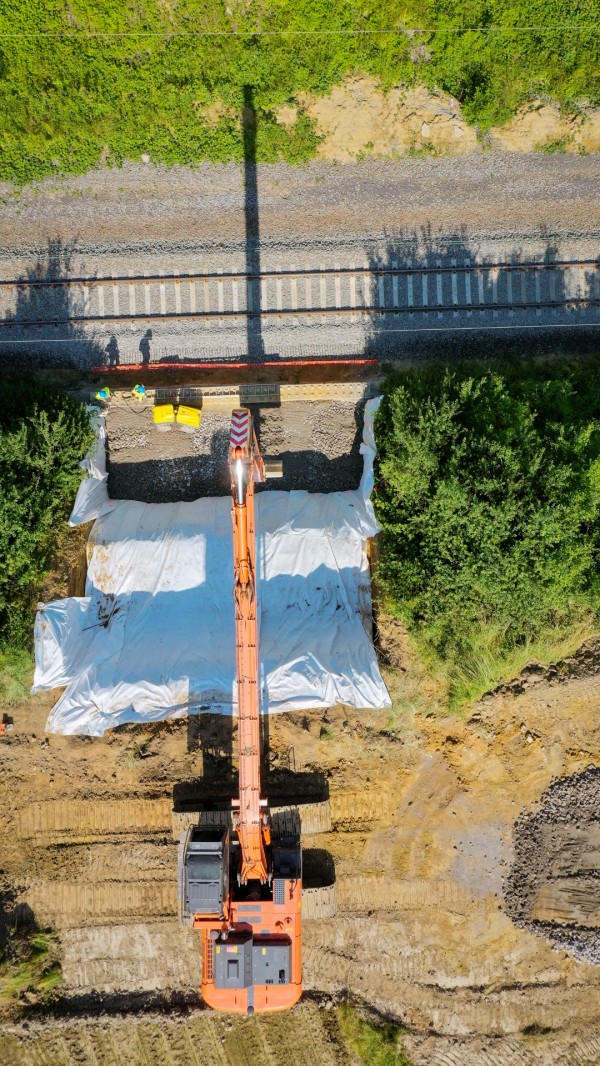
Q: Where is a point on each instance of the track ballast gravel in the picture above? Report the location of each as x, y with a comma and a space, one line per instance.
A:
324, 204
570, 803
143, 219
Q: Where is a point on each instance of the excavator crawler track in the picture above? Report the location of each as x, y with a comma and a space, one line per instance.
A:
303, 819
318, 903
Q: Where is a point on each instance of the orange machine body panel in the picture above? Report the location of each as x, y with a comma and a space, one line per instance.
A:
267, 924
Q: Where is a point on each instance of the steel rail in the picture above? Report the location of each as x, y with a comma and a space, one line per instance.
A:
357, 271
286, 312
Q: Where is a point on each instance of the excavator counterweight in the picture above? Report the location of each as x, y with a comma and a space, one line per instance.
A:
240, 882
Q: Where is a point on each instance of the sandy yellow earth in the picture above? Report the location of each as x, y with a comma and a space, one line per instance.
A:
423, 806
357, 119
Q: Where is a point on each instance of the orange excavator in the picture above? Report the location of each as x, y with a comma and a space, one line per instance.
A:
240, 883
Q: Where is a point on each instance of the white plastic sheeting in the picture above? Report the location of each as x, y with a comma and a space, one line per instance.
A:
92, 498
154, 636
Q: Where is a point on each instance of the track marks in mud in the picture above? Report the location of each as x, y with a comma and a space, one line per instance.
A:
65, 904
147, 860
319, 903
574, 851
550, 1049
117, 958
353, 810
303, 1036
366, 952
82, 818
569, 901
381, 964
381, 893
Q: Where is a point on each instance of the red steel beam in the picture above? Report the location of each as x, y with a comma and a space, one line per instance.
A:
142, 368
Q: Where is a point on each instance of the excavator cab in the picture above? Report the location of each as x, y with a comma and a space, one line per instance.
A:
204, 873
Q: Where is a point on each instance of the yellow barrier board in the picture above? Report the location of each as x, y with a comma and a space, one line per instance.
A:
163, 414
188, 416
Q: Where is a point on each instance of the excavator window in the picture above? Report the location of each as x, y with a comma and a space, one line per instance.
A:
202, 867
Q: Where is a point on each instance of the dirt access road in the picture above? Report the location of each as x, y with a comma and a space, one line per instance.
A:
423, 808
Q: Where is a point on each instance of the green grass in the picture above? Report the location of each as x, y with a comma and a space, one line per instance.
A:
70, 102
372, 1044
488, 493
492, 659
535, 1029
552, 147
16, 676
31, 967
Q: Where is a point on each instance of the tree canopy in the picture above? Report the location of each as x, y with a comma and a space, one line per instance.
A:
44, 434
488, 492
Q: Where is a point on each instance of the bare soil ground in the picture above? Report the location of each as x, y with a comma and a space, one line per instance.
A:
356, 119
318, 443
423, 811
304, 1036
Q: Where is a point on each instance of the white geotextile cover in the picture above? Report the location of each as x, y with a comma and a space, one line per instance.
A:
154, 636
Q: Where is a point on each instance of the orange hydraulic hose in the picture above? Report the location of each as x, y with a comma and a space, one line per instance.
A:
241, 524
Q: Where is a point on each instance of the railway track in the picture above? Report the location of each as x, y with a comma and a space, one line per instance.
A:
407, 289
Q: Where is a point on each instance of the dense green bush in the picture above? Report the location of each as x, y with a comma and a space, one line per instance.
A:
69, 101
488, 492
492, 55
43, 437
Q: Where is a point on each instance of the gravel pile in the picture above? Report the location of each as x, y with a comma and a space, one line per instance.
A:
572, 802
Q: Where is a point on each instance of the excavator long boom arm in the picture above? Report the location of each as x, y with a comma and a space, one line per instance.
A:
246, 467
243, 890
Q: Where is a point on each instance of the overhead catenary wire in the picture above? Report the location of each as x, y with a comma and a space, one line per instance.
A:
516, 327
398, 30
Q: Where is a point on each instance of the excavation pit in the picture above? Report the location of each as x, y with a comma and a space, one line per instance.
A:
318, 442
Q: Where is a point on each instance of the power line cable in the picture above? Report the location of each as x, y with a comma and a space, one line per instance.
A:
400, 30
